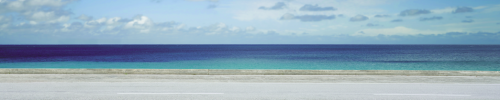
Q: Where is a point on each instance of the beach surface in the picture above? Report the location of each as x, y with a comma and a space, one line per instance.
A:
246, 87
459, 85
248, 78
249, 72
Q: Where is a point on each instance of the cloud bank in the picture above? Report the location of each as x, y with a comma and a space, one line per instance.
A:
463, 10
358, 18
50, 20
382, 16
397, 20
277, 6
309, 7
414, 12
85, 17
307, 18
431, 18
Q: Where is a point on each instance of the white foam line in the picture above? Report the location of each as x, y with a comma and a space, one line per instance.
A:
169, 93
421, 95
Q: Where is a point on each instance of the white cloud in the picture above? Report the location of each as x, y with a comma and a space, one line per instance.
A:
400, 30
258, 15
451, 9
85, 17
4, 22
216, 29
358, 18
56, 20
445, 10
42, 16
178, 27
4, 19
37, 11
337, 26
31, 5
142, 23
222, 29
15, 5
60, 19
251, 12
113, 21
250, 28
479, 7
142, 20
55, 3
50, 17
495, 8
479, 25
248, 10
287, 16
101, 20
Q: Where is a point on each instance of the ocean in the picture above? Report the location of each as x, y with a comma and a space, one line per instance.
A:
294, 57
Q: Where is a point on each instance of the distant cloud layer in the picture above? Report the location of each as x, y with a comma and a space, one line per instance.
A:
277, 6
431, 18
414, 12
381, 16
286, 21
397, 20
309, 7
39, 17
468, 21
463, 10
358, 18
307, 18
46, 11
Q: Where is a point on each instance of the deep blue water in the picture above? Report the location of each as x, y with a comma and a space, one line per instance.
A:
332, 57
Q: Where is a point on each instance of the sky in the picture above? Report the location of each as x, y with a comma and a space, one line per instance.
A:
249, 21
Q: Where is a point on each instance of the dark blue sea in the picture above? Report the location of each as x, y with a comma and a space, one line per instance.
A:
304, 57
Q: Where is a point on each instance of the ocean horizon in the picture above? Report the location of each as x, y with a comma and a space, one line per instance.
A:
255, 56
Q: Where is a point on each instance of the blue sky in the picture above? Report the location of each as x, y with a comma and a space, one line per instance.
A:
249, 22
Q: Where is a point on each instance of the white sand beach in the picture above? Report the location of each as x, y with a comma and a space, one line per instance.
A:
165, 84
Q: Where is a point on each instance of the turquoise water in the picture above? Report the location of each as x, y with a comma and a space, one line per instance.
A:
299, 57
263, 64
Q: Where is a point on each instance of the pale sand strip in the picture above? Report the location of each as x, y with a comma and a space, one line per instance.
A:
313, 79
249, 72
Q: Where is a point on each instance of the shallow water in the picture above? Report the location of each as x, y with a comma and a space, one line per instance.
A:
308, 57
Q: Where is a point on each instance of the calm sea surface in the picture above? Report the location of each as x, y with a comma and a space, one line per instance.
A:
308, 57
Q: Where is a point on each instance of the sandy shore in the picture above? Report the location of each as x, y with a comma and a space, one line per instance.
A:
265, 76
250, 72
251, 87
247, 78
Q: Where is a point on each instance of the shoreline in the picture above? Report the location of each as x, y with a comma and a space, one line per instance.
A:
349, 79
249, 72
